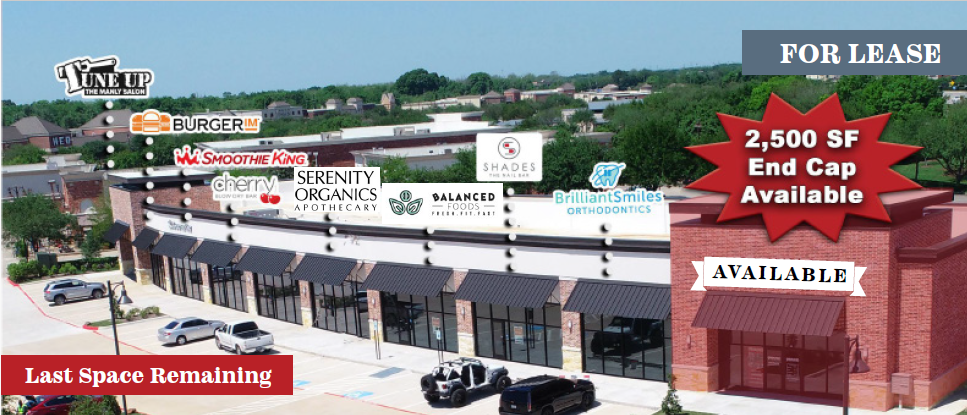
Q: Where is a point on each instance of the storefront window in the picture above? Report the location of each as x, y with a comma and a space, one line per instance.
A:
158, 272
414, 320
186, 278
627, 347
228, 289
792, 364
278, 297
340, 308
517, 334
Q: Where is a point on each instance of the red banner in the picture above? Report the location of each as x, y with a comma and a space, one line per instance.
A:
147, 375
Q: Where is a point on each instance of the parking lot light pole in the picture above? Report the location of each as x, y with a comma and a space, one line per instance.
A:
124, 299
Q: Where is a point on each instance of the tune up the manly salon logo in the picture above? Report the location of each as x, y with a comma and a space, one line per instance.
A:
101, 78
510, 157
479, 204
337, 189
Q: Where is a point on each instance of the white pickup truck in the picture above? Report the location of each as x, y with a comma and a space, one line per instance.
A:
244, 337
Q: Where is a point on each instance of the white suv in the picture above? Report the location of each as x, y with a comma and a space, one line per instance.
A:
452, 380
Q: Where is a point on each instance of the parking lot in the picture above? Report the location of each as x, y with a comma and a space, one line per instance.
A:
321, 380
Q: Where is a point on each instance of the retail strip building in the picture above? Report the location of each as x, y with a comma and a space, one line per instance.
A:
580, 298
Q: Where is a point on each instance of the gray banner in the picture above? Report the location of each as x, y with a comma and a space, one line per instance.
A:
941, 52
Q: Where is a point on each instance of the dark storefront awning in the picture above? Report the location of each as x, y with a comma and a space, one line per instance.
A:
324, 269
116, 231
145, 238
621, 299
173, 246
215, 253
527, 291
408, 279
769, 313
265, 261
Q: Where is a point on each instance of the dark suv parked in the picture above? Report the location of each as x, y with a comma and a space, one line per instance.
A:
546, 395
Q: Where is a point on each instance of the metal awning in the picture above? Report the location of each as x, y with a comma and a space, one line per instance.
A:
116, 231
512, 290
145, 239
648, 301
769, 313
173, 246
324, 269
265, 261
408, 279
215, 253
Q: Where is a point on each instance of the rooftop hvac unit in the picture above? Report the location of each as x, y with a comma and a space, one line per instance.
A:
423, 131
448, 151
266, 142
264, 213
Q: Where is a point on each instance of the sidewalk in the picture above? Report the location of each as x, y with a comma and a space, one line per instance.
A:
638, 393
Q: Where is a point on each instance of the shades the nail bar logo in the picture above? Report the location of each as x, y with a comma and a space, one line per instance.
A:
406, 205
506, 157
154, 122
101, 78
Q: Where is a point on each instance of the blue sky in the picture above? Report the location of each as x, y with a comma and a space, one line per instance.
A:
210, 48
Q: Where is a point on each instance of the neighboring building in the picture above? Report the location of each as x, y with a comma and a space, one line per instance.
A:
334, 148
567, 89
435, 157
512, 95
12, 137
611, 93
824, 78
281, 110
492, 97
539, 95
954, 96
388, 101
65, 178
465, 100
97, 128
910, 323
336, 105
44, 134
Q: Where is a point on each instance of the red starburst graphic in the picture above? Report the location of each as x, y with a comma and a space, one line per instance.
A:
798, 179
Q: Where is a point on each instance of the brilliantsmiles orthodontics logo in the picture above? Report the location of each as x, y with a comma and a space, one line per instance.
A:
198, 158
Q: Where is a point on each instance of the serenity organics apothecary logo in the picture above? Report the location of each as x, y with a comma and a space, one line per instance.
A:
473, 204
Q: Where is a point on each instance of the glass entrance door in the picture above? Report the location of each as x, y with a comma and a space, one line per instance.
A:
789, 364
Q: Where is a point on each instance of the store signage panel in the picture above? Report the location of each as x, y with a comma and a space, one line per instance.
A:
470, 204
783, 274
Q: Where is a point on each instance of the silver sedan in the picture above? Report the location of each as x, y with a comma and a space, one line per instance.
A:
183, 330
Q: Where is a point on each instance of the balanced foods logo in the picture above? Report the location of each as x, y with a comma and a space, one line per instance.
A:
154, 122
101, 78
516, 157
479, 204
406, 205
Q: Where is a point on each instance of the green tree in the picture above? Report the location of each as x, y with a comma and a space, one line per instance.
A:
654, 151
946, 141
84, 405
419, 81
34, 217
479, 83
23, 154
568, 162
101, 221
670, 405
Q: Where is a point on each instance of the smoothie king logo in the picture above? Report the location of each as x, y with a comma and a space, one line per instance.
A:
198, 158
101, 78
154, 122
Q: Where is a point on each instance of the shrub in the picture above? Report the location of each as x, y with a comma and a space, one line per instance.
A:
133, 314
154, 310
54, 270
84, 405
24, 270
670, 405
146, 312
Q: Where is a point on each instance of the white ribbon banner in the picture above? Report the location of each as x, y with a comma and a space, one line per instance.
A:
783, 274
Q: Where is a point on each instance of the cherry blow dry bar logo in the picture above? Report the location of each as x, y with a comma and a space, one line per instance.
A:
263, 189
207, 158
101, 78
154, 122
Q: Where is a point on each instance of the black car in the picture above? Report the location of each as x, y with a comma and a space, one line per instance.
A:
546, 395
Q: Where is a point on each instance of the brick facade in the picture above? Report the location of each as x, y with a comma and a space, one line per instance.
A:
905, 323
76, 192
